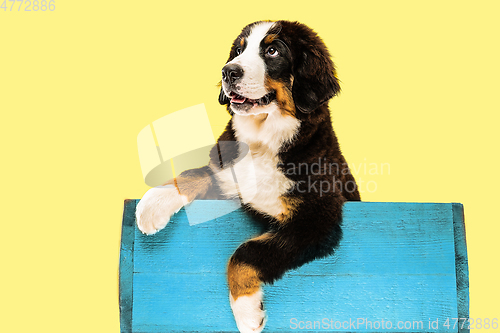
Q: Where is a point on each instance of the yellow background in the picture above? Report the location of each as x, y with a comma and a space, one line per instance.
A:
420, 86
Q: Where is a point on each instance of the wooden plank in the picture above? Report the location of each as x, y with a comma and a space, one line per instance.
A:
127, 266
396, 263
461, 262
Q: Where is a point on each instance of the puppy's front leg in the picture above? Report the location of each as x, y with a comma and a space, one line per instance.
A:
160, 203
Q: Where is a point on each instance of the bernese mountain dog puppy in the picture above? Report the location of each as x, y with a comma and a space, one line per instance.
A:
284, 163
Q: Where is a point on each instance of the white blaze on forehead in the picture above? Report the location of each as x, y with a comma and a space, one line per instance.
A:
252, 83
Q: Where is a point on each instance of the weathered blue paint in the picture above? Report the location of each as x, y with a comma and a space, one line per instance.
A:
461, 261
127, 266
397, 262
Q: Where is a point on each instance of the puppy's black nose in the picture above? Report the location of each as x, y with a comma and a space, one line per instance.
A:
231, 73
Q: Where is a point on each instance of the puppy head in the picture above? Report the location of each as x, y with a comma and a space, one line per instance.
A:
275, 66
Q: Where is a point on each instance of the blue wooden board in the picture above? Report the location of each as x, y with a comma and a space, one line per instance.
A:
401, 267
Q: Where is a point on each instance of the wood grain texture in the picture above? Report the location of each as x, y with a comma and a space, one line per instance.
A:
127, 265
461, 261
403, 263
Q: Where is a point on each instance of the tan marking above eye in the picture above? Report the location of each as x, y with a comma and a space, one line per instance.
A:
270, 38
242, 42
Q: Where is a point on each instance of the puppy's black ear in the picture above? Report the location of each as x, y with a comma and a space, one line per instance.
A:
223, 99
315, 80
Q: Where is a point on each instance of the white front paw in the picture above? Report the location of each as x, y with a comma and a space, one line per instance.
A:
248, 312
157, 206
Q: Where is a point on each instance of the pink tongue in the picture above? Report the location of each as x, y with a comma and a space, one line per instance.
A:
238, 100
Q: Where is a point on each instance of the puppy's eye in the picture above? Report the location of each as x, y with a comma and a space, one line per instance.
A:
272, 52
238, 50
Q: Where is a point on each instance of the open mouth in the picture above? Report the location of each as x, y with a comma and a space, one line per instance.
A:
238, 100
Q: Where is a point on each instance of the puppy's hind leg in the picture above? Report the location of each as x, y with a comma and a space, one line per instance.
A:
248, 269
246, 296
266, 258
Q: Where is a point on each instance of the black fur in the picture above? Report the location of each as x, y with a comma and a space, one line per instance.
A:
314, 230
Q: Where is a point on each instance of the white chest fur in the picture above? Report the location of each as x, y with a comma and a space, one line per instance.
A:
258, 180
